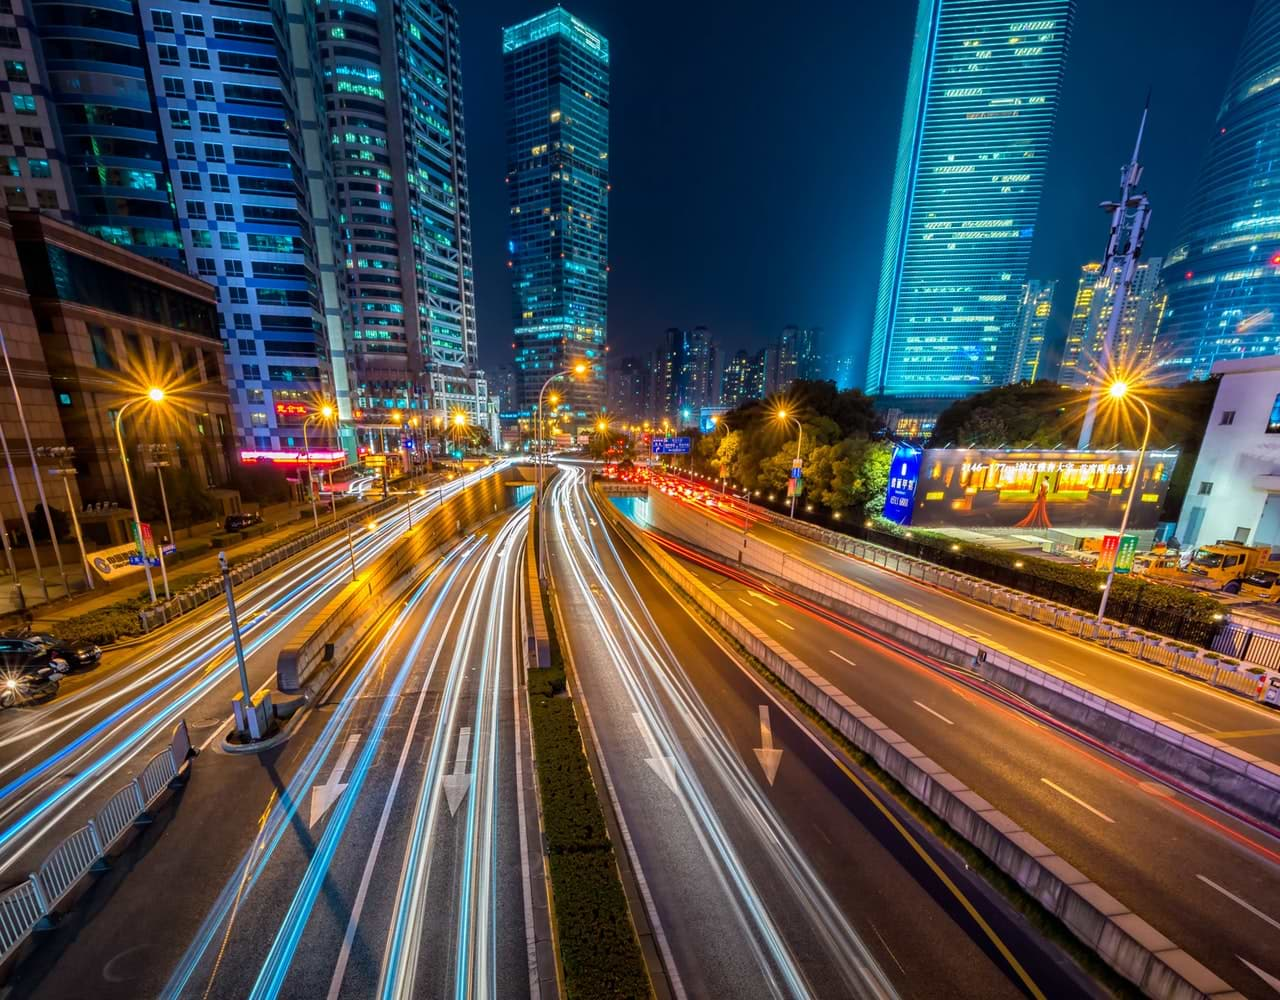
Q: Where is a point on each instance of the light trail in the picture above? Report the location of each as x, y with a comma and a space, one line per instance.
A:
650, 673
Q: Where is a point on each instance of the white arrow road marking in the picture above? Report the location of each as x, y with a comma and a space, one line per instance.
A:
660, 764
1236, 899
760, 597
768, 756
323, 796
1266, 977
457, 783
933, 713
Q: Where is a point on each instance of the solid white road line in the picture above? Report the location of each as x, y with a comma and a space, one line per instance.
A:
1078, 801
785, 624
1236, 899
746, 602
839, 656
1203, 727
1070, 670
760, 597
1266, 977
932, 712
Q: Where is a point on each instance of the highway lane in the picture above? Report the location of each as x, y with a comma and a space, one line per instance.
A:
60, 760
800, 886
1198, 876
1202, 709
378, 854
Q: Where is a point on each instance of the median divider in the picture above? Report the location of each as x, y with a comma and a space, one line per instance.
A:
1233, 777
309, 658
35, 903
1125, 941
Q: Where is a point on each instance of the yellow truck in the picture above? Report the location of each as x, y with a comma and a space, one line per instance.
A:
1225, 561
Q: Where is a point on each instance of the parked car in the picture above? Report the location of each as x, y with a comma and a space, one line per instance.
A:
27, 655
21, 687
79, 655
238, 522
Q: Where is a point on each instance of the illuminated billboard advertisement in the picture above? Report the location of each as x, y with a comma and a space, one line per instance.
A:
904, 473
1034, 489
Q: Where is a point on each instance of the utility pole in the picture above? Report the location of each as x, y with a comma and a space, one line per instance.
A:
1129, 219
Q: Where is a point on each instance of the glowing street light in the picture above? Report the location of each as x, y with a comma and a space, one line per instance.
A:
153, 395
324, 414
578, 369
1120, 391
783, 416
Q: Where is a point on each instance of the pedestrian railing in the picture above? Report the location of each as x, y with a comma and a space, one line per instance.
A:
31, 904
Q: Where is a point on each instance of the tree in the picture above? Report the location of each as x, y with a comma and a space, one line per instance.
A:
1029, 414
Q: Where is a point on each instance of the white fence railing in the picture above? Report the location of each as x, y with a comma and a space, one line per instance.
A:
29, 904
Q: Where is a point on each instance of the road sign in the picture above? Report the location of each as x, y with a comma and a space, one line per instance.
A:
143, 541
671, 446
1127, 549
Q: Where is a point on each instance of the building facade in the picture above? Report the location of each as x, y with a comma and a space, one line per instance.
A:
982, 98
1033, 321
1083, 354
393, 89
799, 355
1223, 273
556, 74
735, 381
1234, 492
691, 367
631, 381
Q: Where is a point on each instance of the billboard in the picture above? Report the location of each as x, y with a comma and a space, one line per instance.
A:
904, 474
1029, 488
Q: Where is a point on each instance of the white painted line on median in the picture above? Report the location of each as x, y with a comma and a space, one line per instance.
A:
840, 656
980, 631
1243, 902
1078, 801
786, 624
1203, 727
932, 712
1266, 977
1070, 670
746, 602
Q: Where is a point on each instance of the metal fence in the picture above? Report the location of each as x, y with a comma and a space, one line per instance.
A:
1132, 605
30, 904
1248, 643
202, 591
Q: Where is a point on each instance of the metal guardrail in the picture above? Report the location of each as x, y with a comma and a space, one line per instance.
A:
31, 904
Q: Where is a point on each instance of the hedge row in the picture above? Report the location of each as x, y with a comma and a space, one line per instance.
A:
1165, 608
599, 953
118, 620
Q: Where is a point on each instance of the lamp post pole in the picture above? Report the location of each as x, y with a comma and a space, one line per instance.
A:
133, 500
1128, 506
64, 471
160, 466
311, 485
351, 551
796, 464
539, 430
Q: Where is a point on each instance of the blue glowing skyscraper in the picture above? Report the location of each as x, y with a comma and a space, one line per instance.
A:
557, 96
982, 97
1223, 274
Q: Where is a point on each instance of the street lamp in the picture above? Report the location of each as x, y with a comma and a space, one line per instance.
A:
324, 414
786, 417
154, 395
579, 369
1119, 391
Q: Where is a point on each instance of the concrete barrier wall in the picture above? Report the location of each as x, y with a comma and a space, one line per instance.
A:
1120, 937
1228, 774
328, 634
538, 636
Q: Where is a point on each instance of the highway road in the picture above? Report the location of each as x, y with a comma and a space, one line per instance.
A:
1206, 881
768, 867
1202, 709
377, 852
59, 761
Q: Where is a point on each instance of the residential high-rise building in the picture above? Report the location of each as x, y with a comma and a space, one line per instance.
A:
1033, 320
982, 98
556, 72
393, 90
631, 389
692, 366
735, 381
1082, 358
177, 131
799, 356
1223, 273
845, 371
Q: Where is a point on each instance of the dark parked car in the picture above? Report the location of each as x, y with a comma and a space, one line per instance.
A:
238, 522
79, 655
19, 688
29, 670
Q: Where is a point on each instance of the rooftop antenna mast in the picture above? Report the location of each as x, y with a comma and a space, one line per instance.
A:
1129, 219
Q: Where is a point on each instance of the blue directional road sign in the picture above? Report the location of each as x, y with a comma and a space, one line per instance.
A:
671, 446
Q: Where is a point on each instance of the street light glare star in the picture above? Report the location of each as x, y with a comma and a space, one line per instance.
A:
1118, 389
155, 394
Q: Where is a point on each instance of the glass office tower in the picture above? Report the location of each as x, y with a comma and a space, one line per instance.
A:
1033, 320
1223, 273
393, 86
557, 97
982, 97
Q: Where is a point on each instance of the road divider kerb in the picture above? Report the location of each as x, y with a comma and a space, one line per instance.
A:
1125, 941
1240, 782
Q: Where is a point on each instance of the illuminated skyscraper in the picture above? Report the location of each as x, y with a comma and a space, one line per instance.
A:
1223, 274
557, 97
1082, 357
1033, 319
982, 97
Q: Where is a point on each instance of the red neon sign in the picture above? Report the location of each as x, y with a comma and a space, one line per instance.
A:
291, 409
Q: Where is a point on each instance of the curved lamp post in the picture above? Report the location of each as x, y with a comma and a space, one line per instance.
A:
1119, 391
323, 414
579, 369
784, 416
154, 395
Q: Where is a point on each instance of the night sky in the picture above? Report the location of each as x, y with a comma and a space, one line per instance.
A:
752, 150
